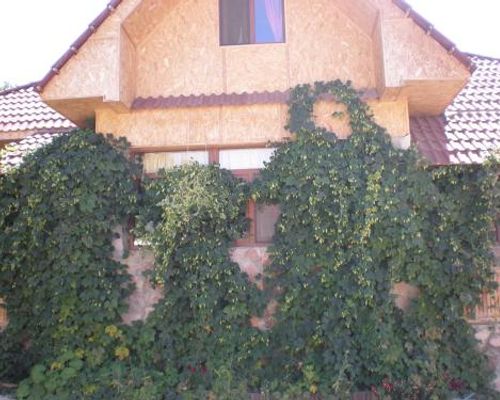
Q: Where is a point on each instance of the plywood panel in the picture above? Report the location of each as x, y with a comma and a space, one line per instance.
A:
410, 54
392, 115
258, 123
128, 71
323, 111
232, 125
378, 58
198, 127
93, 72
146, 16
325, 45
182, 55
260, 67
387, 9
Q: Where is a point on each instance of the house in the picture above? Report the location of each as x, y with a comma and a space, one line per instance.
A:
26, 123
209, 81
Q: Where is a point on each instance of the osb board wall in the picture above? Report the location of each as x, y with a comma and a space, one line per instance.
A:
95, 70
379, 58
232, 125
182, 54
201, 126
128, 70
410, 54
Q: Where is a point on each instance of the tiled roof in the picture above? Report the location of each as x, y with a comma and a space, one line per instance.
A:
22, 112
113, 4
228, 99
15, 152
470, 129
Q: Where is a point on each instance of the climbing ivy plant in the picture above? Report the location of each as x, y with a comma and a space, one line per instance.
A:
358, 216
201, 328
59, 282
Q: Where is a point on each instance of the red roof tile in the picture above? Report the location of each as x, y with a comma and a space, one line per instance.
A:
23, 111
227, 99
16, 152
470, 129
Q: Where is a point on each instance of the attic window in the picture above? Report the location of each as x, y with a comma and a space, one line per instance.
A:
251, 21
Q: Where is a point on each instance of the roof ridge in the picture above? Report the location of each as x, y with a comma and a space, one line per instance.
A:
18, 88
435, 34
113, 4
78, 43
483, 57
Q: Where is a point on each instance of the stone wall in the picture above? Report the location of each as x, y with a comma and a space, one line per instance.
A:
488, 336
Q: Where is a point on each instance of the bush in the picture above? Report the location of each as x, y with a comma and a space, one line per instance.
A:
358, 216
202, 325
56, 273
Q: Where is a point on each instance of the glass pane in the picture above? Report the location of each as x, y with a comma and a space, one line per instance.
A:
269, 21
234, 22
266, 217
245, 158
153, 162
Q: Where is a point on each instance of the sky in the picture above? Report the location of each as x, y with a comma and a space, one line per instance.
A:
35, 33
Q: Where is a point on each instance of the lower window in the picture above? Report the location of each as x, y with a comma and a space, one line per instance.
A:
243, 163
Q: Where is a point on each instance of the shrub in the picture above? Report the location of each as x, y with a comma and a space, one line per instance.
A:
357, 216
56, 273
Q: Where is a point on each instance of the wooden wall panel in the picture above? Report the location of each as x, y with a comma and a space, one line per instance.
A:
232, 125
410, 54
392, 115
258, 123
256, 68
182, 55
325, 45
128, 70
93, 72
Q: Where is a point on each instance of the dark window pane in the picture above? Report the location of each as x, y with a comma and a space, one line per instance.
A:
269, 21
266, 217
234, 22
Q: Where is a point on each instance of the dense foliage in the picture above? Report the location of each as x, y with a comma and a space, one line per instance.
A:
357, 217
201, 327
57, 211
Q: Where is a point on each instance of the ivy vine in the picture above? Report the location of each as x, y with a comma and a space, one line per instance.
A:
357, 217
57, 278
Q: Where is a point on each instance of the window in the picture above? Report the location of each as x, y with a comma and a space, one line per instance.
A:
245, 159
243, 163
251, 21
153, 162
3, 316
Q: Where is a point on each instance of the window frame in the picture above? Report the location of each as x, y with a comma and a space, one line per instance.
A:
251, 13
248, 175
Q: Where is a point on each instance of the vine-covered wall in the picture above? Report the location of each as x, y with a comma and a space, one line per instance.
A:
359, 219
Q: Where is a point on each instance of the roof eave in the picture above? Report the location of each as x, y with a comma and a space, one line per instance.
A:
77, 44
424, 24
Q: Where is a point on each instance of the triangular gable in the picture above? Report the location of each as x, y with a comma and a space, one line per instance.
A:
112, 6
